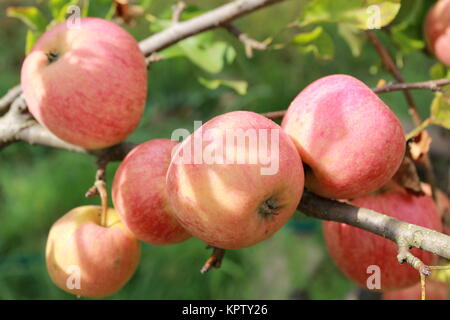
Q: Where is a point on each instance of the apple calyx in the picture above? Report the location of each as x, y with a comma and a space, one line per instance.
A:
268, 206
52, 56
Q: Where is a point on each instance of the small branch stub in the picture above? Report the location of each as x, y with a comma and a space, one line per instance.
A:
101, 187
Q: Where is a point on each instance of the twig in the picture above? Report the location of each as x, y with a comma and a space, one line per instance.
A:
214, 261
390, 228
178, 10
249, 43
412, 107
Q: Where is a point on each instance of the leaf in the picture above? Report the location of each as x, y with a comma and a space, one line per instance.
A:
440, 108
317, 41
31, 16
32, 37
363, 14
352, 36
239, 86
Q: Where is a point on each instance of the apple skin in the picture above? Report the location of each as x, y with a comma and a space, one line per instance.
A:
222, 204
351, 142
139, 194
106, 256
434, 290
93, 95
354, 249
437, 31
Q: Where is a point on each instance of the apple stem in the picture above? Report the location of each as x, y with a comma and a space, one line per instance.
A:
52, 56
267, 207
101, 187
214, 261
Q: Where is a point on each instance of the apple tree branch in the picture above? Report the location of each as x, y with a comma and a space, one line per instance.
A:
405, 235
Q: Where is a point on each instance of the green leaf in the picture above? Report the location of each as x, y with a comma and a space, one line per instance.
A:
440, 108
203, 49
364, 14
239, 86
317, 41
208, 56
56, 6
31, 16
352, 36
32, 37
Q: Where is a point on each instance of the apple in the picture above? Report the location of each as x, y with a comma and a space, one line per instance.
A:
86, 82
350, 142
354, 250
87, 259
235, 181
437, 31
140, 197
434, 290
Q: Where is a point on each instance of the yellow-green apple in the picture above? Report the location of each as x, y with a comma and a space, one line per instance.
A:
350, 142
140, 196
437, 31
235, 181
354, 250
86, 82
434, 290
87, 259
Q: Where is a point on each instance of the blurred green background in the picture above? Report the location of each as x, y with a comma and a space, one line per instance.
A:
39, 184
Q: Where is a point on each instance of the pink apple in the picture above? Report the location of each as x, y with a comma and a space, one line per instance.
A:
87, 259
235, 181
437, 31
354, 249
140, 196
434, 290
351, 142
86, 82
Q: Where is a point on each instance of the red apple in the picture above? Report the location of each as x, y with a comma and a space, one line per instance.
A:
434, 290
86, 82
140, 197
354, 249
235, 181
351, 142
87, 259
437, 31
